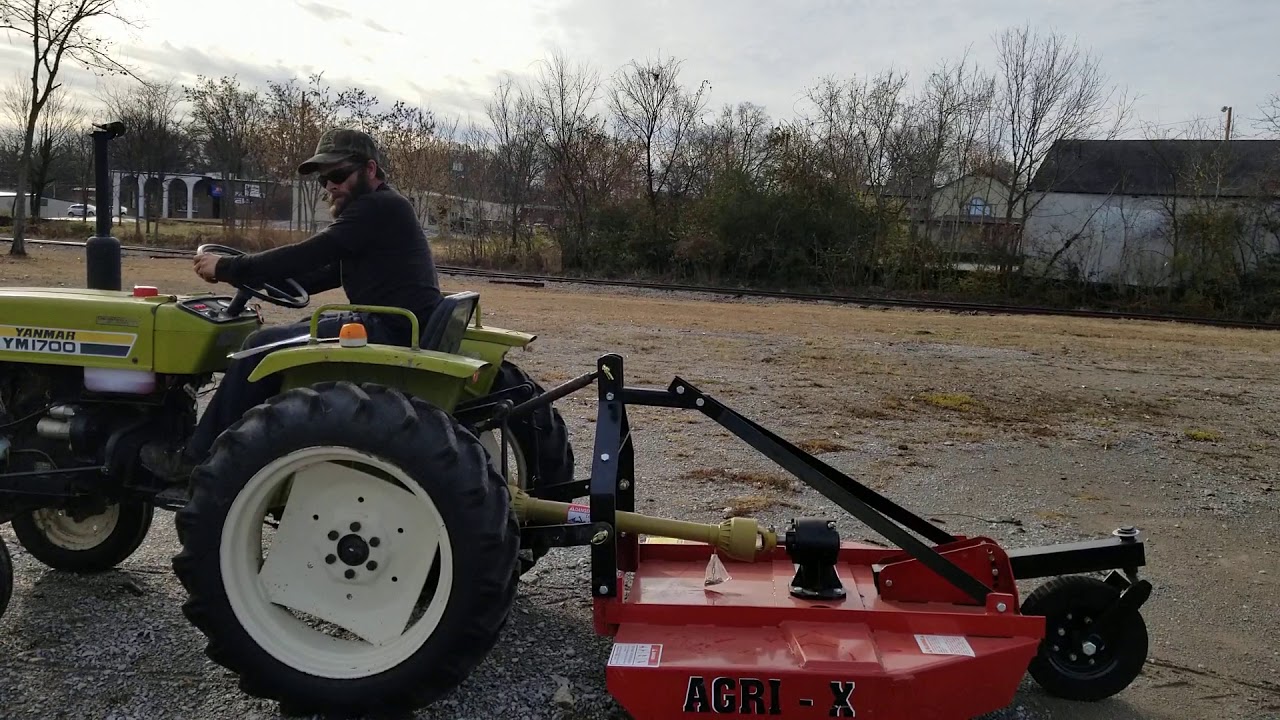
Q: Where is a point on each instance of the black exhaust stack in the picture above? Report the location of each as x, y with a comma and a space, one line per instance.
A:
102, 251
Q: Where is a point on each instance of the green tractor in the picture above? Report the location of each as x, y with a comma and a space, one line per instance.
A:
378, 477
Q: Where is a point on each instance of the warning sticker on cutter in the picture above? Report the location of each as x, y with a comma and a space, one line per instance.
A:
944, 645
635, 655
579, 514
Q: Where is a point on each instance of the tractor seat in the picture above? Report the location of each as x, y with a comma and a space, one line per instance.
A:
443, 331
448, 322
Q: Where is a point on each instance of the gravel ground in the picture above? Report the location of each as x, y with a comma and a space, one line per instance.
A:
1039, 430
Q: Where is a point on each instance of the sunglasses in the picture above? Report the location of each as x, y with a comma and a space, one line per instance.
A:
336, 176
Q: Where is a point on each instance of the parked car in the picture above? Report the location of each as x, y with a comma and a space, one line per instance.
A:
81, 210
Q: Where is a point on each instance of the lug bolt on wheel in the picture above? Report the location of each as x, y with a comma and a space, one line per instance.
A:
331, 558
371, 565
333, 534
374, 542
355, 527
350, 573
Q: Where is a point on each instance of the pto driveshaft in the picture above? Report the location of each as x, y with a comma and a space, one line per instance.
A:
739, 538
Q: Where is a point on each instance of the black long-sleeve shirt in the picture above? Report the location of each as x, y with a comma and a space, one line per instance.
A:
375, 250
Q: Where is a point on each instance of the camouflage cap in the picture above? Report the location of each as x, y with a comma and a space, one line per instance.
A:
338, 144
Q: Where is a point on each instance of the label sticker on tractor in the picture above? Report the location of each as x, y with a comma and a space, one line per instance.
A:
635, 655
59, 341
944, 645
579, 514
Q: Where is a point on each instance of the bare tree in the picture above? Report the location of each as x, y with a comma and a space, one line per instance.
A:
406, 135
55, 144
516, 134
1269, 123
294, 117
942, 143
437, 168
657, 115
856, 127
58, 30
226, 120
741, 140
950, 117
360, 110
571, 128
1047, 90
861, 137
157, 143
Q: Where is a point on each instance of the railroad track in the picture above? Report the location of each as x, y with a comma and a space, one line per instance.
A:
864, 301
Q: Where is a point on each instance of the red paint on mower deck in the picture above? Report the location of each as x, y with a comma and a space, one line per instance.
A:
747, 648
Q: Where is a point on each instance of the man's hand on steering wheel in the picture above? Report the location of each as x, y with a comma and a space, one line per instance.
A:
206, 264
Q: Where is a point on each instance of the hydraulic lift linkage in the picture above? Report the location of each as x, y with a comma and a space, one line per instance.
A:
612, 495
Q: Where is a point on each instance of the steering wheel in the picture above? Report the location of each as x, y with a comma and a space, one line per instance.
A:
267, 292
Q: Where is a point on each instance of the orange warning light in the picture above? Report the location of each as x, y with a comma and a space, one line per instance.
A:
353, 335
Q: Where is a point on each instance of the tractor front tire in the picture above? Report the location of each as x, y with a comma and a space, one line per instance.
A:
391, 506
6, 577
94, 544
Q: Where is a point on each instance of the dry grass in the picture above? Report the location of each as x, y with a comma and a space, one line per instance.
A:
1202, 435
819, 446
748, 505
951, 401
745, 477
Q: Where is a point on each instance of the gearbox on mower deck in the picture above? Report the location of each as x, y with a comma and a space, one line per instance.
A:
808, 626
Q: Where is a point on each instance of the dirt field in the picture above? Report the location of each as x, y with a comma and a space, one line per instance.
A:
1029, 430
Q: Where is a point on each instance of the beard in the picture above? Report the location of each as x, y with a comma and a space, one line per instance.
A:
338, 202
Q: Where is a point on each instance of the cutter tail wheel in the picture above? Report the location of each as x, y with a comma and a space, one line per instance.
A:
391, 572
1095, 640
65, 539
6, 577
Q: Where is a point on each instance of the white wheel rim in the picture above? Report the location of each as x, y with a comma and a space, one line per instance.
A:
66, 532
376, 605
492, 443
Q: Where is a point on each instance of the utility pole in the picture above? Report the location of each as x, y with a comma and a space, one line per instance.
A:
1227, 109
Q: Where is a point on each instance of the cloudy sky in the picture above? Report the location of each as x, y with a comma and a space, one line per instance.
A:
1183, 58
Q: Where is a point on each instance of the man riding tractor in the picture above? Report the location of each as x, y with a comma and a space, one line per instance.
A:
375, 250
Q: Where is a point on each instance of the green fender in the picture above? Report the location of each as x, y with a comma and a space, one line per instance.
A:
439, 378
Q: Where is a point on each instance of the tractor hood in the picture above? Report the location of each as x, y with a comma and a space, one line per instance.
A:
139, 329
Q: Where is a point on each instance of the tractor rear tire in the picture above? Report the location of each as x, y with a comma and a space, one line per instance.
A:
1069, 605
61, 543
6, 577
543, 438
436, 467
541, 441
